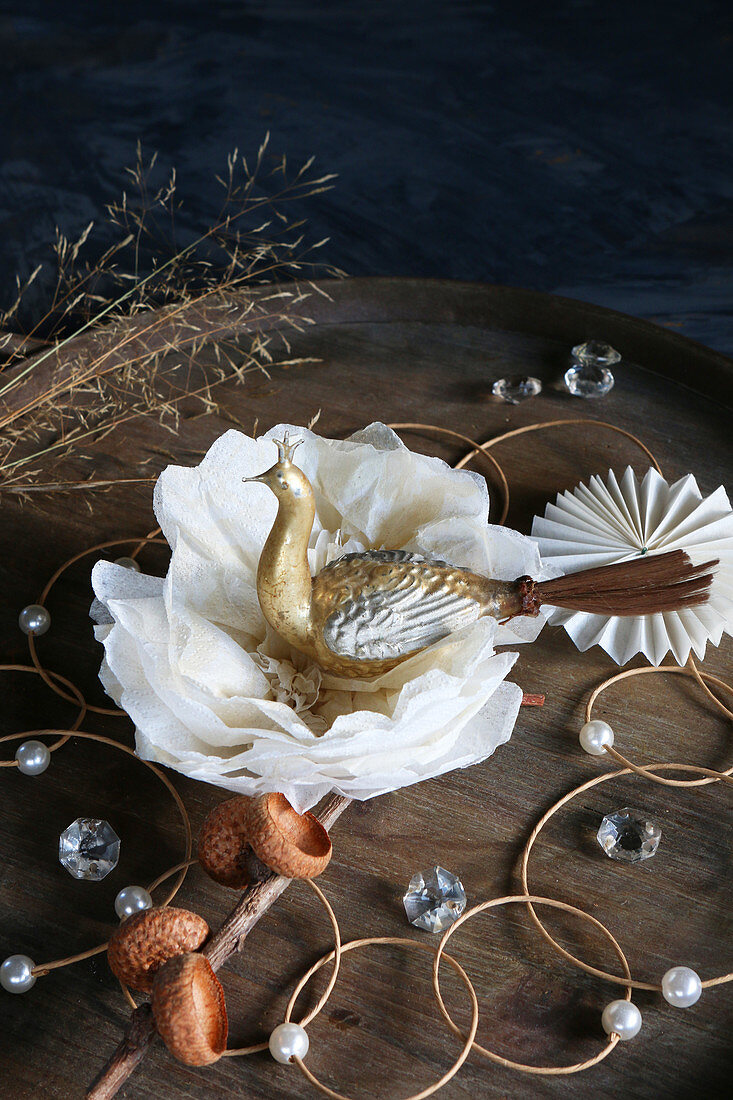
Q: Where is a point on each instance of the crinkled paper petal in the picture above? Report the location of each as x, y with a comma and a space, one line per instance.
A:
214, 693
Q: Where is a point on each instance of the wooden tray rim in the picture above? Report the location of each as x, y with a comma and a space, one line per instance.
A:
397, 299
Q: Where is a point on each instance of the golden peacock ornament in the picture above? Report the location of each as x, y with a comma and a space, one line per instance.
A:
363, 614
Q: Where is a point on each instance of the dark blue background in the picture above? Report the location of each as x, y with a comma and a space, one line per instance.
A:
581, 147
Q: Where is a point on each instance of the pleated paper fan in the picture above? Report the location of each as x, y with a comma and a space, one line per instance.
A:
613, 521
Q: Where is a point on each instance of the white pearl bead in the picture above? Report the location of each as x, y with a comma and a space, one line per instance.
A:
34, 619
16, 974
128, 563
131, 900
681, 987
289, 1041
623, 1018
595, 737
33, 757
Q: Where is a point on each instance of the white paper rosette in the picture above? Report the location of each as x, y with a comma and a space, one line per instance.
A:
613, 521
217, 695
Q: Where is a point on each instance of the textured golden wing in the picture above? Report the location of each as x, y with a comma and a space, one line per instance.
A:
385, 604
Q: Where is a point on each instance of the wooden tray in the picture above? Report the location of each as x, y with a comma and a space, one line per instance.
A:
398, 350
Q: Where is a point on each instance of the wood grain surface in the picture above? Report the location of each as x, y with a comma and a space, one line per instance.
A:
380, 1034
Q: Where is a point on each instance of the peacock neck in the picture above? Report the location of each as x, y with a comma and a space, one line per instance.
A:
283, 577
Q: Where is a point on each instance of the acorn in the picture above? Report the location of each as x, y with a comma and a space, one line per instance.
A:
189, 1009
288, 843
143, 942
224, 841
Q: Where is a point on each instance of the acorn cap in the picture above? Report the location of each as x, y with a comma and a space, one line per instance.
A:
189, 1009
290, 844
146, 940
223, 843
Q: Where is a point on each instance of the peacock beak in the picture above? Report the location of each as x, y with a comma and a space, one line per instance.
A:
259, 478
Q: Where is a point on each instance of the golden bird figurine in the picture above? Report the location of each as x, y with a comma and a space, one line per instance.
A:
365, 613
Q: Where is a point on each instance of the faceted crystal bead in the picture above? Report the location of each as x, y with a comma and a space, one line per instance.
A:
513, 390
89, 849
590, 374
628, 835
594, 353
434, 899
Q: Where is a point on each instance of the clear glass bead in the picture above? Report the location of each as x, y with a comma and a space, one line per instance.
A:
628, 835
434, 900
514, 389
590, 375
89, 849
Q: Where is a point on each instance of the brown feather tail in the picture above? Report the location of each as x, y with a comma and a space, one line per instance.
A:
644, 586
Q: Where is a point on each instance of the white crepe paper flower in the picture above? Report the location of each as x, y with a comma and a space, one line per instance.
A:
613, 521
217, 695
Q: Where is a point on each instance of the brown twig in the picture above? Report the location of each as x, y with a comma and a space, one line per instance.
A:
252, 905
